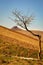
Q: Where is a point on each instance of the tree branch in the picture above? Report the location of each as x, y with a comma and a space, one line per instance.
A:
31, 31
17, 16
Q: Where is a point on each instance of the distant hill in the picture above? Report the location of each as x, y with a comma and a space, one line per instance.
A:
15, 28
22, 36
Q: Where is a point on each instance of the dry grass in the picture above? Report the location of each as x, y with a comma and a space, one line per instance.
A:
15, 44
22, 36
9, 50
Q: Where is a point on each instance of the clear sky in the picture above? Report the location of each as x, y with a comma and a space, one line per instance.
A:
28, 6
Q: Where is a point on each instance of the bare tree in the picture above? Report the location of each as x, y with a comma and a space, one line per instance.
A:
23, 21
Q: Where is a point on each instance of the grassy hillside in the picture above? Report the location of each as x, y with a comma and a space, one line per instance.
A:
14, 44
22, 36
10, 50
16, 47
17, 29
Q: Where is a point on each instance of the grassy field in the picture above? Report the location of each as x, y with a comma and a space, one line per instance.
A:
22, 36
9, 50
16, 44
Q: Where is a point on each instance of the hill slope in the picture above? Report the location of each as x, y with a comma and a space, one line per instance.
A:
17, 29
14, 44
22, 36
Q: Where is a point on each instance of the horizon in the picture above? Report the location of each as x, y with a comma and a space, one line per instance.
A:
28, 7
20, 28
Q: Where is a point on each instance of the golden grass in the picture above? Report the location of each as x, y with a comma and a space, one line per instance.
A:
9, 49
22, 36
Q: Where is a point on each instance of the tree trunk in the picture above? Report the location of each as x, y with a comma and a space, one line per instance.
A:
39, 37
39, 48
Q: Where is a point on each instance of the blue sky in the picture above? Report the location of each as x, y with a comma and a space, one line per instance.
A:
34, 7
